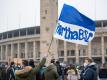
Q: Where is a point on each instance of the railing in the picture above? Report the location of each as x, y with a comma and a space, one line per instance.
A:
101, 29
21, 37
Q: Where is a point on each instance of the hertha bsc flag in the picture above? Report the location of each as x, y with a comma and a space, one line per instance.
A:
74, 27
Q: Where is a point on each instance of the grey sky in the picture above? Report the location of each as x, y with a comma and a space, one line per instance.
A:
16, 14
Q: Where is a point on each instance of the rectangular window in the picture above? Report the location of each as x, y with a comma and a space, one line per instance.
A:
5, 35
0, 36
61, 53
16, 33
22, 32
71, 61
31, 31
71, 53
10, 34
37, 30
61, 59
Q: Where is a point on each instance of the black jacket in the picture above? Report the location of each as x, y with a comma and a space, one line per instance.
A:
103, 73
89, 73
10, 73
59, 69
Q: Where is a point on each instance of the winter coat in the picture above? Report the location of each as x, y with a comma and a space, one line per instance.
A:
51, 73
72, 75
3, 74
59, 69
89, 73
10, 73
29, 73
103, 73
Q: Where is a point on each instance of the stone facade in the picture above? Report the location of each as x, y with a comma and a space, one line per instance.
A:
34, 43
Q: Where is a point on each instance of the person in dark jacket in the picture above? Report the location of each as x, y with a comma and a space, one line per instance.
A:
59, 69
3, 72
103, 72
28, 73
90, 70
31, 63
51, 72
10, 72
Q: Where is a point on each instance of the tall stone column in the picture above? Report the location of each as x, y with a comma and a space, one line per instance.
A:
34, 50
26, 50
18, 48
89, 50
48, 19
102, 49
65, 51
6, 53
12, 48
1, 52
77, 53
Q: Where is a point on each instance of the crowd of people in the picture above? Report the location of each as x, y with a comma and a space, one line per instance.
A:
54, 71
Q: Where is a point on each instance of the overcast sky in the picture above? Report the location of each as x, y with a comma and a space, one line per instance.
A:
16, 14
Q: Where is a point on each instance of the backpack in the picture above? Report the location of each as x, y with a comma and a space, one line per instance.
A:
40, 74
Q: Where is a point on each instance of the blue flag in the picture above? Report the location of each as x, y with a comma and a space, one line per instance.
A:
74, 27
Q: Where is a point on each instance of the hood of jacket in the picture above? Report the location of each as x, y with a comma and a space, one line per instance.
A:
51, 67
93, 66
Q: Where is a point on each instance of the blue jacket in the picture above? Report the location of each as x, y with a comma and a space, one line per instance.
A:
89, 73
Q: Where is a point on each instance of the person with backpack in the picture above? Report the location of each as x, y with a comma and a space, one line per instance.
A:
3, 72
28, 73
90, 70
11, 71
59, 69
51, 72
40, 74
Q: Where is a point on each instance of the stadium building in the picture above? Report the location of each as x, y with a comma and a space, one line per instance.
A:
34, 42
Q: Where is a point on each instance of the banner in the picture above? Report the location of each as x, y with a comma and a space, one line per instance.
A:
74, 27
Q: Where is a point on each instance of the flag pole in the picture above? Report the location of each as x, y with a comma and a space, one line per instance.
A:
50, 46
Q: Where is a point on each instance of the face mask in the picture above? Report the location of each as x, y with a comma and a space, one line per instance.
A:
85, 64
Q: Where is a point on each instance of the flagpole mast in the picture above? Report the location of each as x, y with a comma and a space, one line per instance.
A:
50, 46
95, 10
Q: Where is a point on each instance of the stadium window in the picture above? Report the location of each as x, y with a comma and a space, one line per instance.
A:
84, 52
37, 30
71, 53
5, 35
16, 33
61, 59
9, 34
22, 55
1, 36
79, 53
38, 55
61, 53
71, 61
30, 31
95, 51
22, 32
